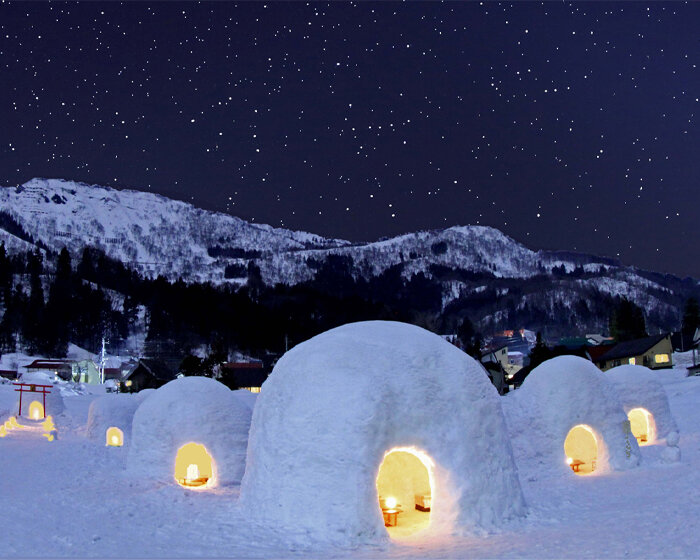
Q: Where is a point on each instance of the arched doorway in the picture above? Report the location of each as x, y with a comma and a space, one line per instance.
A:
115, 437
642, 425
36, 410
404, 487
581, 449
194, 466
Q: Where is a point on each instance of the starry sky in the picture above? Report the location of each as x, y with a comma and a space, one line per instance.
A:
567, 126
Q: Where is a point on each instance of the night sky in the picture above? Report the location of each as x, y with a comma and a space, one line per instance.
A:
565, 125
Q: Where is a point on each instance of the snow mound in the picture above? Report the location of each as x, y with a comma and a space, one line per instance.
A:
54, 400
638, 387
111, 410
189, 410
558, 395
335, 404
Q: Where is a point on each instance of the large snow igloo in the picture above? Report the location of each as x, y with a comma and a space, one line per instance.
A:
192, 431
566, 416
110, 417
373, 424
646, 404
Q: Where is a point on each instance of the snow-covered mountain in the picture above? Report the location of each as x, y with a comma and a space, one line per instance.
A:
159, 236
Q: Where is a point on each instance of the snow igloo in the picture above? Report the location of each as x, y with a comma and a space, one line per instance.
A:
34, 407
566, 416
110, 417
378, 430
192, 431
646, 404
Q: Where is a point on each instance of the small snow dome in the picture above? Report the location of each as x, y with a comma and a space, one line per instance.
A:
110, 416
645, 401
566, 415
192, 431
33, 403
374, 430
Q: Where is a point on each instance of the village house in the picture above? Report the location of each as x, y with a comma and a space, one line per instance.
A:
654, 352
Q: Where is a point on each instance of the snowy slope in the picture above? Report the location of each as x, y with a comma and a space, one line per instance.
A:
156, 235
147, 231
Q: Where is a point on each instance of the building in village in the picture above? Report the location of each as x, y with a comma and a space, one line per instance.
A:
654, 352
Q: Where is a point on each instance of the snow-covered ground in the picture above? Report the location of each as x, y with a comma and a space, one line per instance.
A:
73, 498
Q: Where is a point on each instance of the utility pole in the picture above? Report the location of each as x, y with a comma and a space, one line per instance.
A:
103, 360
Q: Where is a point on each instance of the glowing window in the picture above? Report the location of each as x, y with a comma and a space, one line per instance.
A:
36, 410
642, 426
632, 361
252, 389
661, 358
404, 487
194, 466
115, 437
581, 449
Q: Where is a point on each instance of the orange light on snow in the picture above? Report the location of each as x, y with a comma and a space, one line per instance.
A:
115, 437
36, 410
194, 466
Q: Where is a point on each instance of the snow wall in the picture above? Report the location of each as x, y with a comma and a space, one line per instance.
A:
638, 387
190, 409
336, 403
111, 410
556, 396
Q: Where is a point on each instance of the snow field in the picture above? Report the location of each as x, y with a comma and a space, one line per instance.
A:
72, 498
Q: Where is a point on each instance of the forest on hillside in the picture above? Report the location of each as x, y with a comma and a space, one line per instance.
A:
48, 300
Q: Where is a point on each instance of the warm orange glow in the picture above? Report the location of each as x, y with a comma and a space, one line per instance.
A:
581, 449
48, 424
3, 431
194, 467
662, 359
115, 437
405, 483
36, 410
642, 426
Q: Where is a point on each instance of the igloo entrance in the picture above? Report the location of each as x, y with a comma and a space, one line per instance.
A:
193, 466
581, 449
642, 425
115, 437
404, 487
36, 410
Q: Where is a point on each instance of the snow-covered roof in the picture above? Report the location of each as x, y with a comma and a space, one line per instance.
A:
335, 404
558, 395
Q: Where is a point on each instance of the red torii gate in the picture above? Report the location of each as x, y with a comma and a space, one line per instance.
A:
32, 388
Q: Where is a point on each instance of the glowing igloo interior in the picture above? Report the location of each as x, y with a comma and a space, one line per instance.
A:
642, 425
36, 410
193, 466
404, 487
581, 449
114, 437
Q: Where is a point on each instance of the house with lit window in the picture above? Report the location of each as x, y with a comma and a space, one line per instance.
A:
654, 352
244, 375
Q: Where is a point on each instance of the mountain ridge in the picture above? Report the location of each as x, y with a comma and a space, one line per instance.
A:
155, 235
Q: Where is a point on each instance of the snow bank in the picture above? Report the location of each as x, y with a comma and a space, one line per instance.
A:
190, 409
335, 404
558, 395
638, 387
111, 410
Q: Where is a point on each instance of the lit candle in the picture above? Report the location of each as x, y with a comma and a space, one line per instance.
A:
192, 472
